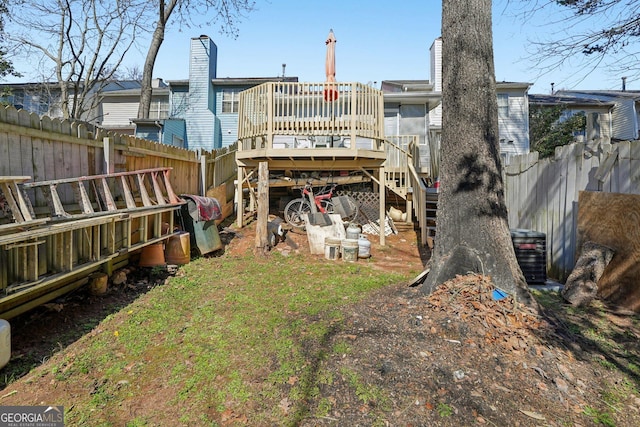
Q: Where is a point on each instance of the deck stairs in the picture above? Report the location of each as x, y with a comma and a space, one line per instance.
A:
402, 178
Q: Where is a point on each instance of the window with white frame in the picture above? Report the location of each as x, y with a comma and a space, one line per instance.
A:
159, 109
503, 105
230, 98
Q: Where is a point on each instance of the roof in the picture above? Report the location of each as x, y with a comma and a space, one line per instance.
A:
567, 100
627, 94
253, 81
390, 86
513, 85
135, 92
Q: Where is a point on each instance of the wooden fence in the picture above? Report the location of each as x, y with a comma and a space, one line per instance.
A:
542, 194
48, 149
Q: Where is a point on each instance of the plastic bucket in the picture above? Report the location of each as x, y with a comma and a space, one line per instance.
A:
178, 249
5, 342
364, 247
350, 250
332, 248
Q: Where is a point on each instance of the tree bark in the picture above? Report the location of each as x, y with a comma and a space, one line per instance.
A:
472, 233
146, 90
581, 286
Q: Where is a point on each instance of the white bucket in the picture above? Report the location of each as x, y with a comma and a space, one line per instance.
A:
332, 248
5, 342
350, 250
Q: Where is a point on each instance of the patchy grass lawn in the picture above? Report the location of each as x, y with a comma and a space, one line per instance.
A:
297, 340
214, 344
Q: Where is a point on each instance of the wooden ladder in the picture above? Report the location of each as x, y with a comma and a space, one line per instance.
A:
105, 201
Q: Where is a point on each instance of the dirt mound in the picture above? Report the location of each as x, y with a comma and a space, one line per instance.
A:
464, 356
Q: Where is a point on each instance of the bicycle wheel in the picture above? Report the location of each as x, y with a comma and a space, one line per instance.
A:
294, 210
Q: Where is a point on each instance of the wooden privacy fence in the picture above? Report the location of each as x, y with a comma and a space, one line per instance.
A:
47, 149
542, 194
74, 199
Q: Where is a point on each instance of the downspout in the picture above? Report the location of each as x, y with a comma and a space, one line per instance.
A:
160, 133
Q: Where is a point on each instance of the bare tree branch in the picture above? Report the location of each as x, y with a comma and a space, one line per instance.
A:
584, 35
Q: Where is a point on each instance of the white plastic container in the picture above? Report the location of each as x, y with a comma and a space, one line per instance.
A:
332, 248
5, 343
350, 250
364, 247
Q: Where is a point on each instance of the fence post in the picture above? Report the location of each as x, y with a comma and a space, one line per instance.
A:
109, 155
203, 173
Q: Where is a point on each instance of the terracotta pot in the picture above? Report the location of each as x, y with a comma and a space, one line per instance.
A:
152, 256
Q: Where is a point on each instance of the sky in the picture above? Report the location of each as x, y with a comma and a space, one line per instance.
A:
376, 40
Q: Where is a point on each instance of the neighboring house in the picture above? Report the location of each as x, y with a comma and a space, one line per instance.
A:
513, 109
407, 106
118, 107
40, 98
204, 109
598, 114
625, 114
200, 112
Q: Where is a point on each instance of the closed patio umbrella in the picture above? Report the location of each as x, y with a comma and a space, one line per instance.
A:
330, 92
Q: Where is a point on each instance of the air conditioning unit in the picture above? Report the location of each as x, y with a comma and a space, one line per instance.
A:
531, 252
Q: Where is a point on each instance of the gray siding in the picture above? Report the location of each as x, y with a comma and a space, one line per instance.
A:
118, 111
179, 102
435, 52
514, 129
624, 124
624, 120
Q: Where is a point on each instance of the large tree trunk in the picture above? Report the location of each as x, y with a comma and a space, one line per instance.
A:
472, 232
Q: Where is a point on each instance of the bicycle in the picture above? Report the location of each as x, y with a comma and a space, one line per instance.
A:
322, 203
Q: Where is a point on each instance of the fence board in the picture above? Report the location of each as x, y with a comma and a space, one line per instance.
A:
624, 169
4, 153
635, 167
545, 197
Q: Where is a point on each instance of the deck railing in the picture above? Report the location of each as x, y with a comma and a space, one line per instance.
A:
333, 113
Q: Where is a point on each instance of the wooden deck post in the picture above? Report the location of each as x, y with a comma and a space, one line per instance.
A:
262, 241
383, 204
239, 197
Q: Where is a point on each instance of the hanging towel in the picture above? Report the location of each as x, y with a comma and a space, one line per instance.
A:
205, 209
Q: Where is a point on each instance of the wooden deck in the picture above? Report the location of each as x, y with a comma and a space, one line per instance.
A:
297, 126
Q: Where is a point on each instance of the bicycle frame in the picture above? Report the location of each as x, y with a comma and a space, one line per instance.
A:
316, 200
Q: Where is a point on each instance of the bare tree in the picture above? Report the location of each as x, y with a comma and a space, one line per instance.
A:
83, 41
472, 233
225, 12
586, 34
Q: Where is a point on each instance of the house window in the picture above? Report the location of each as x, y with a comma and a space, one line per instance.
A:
177, 141
503, 105
159, 109
230, 99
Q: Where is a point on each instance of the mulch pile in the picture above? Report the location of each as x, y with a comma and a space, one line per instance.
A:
473, 298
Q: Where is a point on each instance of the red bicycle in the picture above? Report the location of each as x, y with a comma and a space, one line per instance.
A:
318, 203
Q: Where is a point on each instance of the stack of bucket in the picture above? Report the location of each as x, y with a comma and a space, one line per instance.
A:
354, 246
